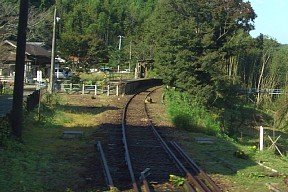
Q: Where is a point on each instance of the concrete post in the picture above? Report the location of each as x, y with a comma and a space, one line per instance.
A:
108, 90
261, 138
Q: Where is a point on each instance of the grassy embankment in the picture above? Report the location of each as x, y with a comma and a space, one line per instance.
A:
231, 162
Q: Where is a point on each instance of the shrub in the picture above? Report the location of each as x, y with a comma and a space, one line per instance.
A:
75, 79
176, 180
188, 114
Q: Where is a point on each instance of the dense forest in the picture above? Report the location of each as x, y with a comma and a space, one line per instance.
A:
200, 47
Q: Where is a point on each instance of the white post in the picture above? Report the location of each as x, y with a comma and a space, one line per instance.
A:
83, 88
108, 90
95, 90
120, 41
261, 138
136, 73
117, 90
130, 57
71, 86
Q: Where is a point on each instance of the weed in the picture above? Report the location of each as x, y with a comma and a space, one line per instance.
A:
176, 180
113, 189
256, 175
240, 154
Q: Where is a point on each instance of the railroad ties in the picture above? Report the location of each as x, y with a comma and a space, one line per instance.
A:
149, 160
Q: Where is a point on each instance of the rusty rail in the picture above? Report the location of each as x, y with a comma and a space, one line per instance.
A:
105, 165
127, 155
203, 179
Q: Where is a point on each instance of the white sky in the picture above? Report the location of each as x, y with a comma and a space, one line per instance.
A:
272, 19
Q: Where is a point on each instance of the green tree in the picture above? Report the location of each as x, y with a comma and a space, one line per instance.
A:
195, 44
38, 22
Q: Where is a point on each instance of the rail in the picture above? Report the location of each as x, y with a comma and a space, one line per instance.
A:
172, 155
146, 172
205, 181
147, 156
127, 155
105, 165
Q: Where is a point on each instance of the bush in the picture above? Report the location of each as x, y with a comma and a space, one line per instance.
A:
188, 114
75, 79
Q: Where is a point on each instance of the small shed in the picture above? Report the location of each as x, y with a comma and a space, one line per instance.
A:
143, 67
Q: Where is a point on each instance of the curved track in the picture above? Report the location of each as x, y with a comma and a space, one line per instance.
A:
149, 161
144, 147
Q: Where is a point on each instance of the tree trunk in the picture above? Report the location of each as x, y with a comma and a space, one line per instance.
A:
265, 61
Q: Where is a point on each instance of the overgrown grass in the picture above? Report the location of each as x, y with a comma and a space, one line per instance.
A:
188, 114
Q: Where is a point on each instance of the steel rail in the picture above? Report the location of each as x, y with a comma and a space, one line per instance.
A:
127, 155
193, 183
144, 180
105, 165
194, 166
192, 180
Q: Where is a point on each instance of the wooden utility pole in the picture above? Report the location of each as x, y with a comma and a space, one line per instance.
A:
52, 67
17, 109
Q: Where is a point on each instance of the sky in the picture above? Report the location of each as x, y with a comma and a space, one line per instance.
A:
272, 19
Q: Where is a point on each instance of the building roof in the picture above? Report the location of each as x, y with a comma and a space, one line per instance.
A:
33, 48
34, 52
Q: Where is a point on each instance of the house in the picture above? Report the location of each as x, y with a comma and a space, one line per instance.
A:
36, 58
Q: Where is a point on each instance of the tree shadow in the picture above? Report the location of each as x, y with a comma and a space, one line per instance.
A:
94, 110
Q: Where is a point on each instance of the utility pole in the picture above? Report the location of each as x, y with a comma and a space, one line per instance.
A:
17, 108
120, 40
130, 55
52, 68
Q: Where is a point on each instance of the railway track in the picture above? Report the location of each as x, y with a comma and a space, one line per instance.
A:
144, 147
149, 160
